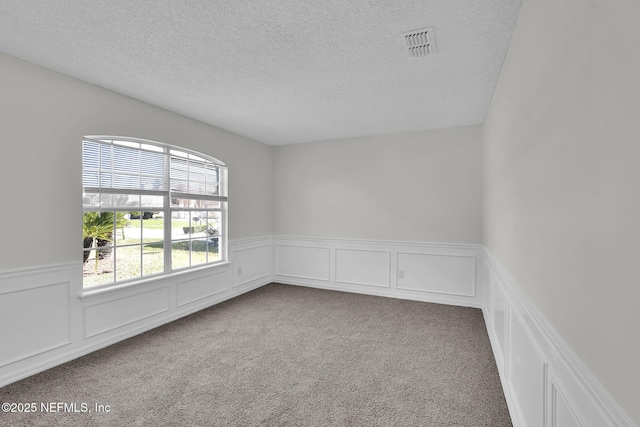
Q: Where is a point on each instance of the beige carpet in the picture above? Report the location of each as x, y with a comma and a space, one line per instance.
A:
284, 355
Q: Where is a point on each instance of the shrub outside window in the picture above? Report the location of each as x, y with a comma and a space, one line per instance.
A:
149, 209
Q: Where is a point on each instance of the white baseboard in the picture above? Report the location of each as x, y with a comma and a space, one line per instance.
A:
545, 383
431, 272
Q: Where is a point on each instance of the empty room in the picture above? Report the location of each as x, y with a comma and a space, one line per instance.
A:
392, 213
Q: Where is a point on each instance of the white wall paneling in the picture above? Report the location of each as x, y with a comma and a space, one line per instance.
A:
25, 333
562, 412
302, 261
105, 316
39, 317
439, 273
363, 267
545, 384
526, 374
47, 320
442, 273
251, 261
198, 288
498, 311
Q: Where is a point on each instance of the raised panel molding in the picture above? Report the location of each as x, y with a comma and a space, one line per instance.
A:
526, 375
250, 263
363, 267
571, 396
438, 273
442, 273
35, 320
545, 383
304, 262
198, 288
562, 413
498, 311
109, 315
62, 322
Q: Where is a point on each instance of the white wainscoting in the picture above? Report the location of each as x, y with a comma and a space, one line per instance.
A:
545, 384
105, 316
47, 320
251, 262
26, 334
302, 262
363, 267
441, 273
197, 288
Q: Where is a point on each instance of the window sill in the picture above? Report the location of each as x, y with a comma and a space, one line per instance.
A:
164, 279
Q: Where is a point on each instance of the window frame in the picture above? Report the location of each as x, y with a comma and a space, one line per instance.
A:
168, 195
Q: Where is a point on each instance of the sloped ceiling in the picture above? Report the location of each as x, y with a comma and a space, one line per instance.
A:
280, 72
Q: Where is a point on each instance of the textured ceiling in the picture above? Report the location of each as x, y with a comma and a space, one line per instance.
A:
282, 71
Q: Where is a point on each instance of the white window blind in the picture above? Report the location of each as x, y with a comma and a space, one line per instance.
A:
125, 174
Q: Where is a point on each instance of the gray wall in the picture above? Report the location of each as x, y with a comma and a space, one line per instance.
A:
418, 186
44, 116
562, 179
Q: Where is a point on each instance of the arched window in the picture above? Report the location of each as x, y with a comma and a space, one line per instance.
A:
149, 209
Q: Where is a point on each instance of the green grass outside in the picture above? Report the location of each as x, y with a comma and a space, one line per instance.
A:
128, 260
157, 223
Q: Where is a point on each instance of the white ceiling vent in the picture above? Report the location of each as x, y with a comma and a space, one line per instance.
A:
420, 42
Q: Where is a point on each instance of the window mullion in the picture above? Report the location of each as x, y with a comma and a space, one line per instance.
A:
167, 214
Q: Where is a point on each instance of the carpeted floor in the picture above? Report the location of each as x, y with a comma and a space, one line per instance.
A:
284, 355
